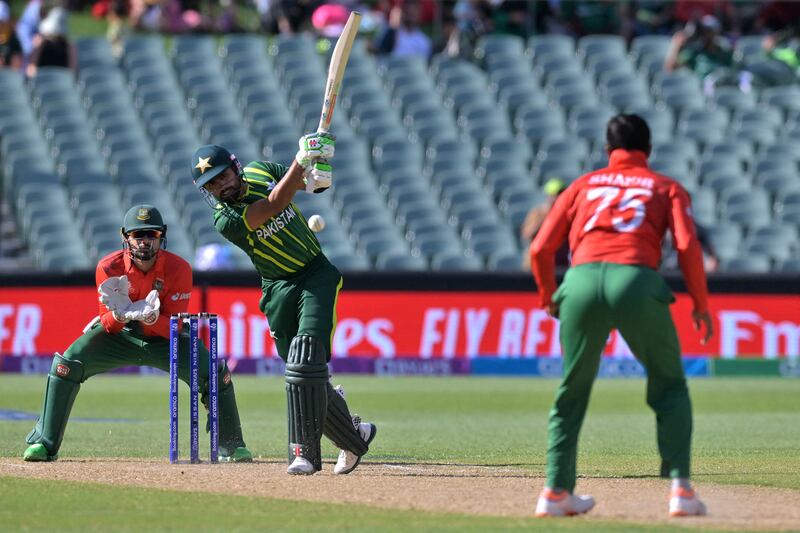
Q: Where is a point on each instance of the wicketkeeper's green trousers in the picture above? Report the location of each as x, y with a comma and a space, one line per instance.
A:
594, 299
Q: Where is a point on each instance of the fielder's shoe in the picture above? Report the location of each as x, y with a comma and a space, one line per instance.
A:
301, 467
684, 502
348, 461
37, 452
562, 503
239, 455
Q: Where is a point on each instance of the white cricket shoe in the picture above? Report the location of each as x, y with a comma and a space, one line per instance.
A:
301, 467
562, 503
348, 461
684, 502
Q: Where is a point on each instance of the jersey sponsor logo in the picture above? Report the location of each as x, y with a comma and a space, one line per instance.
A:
180, 296
62, 370
621, 181
276, 223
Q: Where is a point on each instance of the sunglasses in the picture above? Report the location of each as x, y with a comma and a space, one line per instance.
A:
145, 234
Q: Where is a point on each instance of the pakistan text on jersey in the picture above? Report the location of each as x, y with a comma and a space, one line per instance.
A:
621, 181
276, 223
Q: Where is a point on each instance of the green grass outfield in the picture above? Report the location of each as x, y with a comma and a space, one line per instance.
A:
746, 432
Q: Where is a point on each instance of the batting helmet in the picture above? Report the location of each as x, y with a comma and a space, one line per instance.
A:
211, 160
143, 217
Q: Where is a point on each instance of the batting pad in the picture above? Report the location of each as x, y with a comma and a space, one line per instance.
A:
306, 397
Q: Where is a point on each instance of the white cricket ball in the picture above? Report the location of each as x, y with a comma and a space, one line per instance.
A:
316, 223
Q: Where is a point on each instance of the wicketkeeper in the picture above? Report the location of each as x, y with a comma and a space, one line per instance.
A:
140, 286
615, 219
253, 209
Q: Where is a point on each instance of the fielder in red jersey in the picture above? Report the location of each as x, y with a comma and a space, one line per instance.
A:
615, 219
140, 286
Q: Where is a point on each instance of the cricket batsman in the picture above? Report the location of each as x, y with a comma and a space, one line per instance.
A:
253, 209
140, 286
615, 219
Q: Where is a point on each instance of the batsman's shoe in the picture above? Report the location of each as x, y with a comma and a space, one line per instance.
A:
239, 455
348, 461
684, 502
301, 467
37, 452
562, 503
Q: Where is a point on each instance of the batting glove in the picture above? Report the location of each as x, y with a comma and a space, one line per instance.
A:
319, 176
315, 146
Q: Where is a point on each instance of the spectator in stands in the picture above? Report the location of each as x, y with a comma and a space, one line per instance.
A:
166, 16
533, 221
52, 46
585, 17
28, 25
118, 25
687, 11
10, 49
286, 16
403, 36
472, 19
653, 17
699, 47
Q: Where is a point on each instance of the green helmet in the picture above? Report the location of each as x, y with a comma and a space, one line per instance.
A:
211, 160
141, 217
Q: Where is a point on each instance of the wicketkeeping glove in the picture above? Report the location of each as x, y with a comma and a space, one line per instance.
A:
114, 294
319, 176
145, 311
315, 146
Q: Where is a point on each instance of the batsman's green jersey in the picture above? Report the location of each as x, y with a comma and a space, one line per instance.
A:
280, 247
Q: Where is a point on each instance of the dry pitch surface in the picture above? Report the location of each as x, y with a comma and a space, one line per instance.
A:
478, 490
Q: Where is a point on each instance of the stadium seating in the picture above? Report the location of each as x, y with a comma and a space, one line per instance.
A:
437, 163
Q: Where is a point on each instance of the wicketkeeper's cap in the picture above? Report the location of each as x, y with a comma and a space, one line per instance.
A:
209, 161
142, 217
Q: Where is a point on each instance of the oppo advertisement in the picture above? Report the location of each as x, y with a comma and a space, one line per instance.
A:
423, 326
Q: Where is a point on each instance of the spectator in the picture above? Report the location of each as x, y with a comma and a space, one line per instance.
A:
403, 37
533, 221
328, 20
585, 17
286, 16
10, 49
653, 17
118, 25
473, 18
163, 15
28, 25
52, 47
687, 11
699, 47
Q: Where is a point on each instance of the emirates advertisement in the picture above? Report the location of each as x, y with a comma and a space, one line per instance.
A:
424, 325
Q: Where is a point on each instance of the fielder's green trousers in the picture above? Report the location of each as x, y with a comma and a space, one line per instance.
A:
594, 299
304, 304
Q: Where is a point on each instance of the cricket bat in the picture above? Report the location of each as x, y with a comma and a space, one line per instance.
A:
341, 53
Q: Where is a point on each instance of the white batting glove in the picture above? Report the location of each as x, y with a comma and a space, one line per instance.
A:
114, 294
145, 311
315, 146
319, 176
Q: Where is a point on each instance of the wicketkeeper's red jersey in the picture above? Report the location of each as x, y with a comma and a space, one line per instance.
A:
619, 214
171, 276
